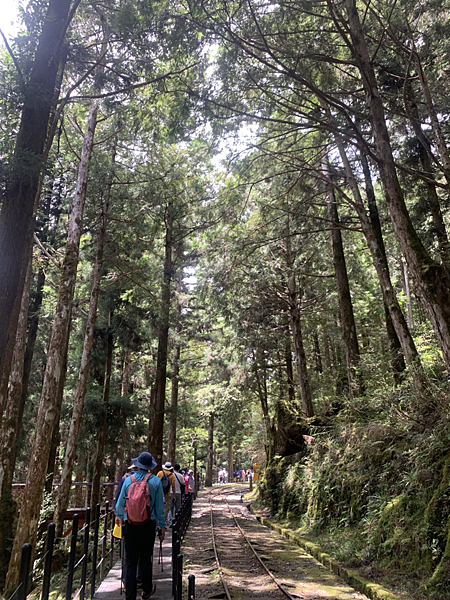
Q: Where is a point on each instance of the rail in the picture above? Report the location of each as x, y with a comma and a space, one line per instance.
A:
179, 528
247, 540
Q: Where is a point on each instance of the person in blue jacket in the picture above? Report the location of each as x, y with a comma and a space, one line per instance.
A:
140, 539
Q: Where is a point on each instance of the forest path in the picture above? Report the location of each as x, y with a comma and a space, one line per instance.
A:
111, 588
299, 573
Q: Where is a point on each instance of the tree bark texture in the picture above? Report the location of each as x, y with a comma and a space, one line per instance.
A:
289, 369
431, 279
157, 421
172, 433
14, 415
17, 214
31, 339
435, 208
261, 386
347, 319
125, 389
437, 129
52, 458
299, 349
407, 290
48, 413
395, 347
9, 431
83, 373
380, 264
99, 458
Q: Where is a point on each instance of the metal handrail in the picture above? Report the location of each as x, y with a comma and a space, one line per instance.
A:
179, 528
98, 569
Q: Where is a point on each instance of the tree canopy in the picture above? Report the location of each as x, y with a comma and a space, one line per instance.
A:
224, 232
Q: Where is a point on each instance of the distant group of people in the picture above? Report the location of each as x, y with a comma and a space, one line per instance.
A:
222, 476
180, 484
240, 476
144, 504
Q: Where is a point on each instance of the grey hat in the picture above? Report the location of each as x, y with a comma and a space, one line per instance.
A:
168, 466
144, 461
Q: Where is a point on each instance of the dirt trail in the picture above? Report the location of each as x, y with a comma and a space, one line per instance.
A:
301, 575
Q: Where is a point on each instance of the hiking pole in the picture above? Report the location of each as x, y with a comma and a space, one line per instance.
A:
161, 555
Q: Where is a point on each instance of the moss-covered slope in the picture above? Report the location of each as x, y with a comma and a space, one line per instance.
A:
375, 490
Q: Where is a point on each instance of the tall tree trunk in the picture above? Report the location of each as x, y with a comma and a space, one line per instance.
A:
195, 470
289, 369
435, 208
83, 373
395, 347
52, 460
407, 290
120, 456
151, 414
172, 433
296, 328
210, 452
432, 280
230, 461
48, 413
17, 214
425, 154
31, 339
78, 497
300, 356
9, 432
262, 393
326, 350
14, 413
347, 319
380, 263
437, 129
157, 421
317, 353
125, 389
99, 458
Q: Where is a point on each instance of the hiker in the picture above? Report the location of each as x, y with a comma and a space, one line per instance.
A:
139, 508
168, 484
191, 481
179, 489
186, 483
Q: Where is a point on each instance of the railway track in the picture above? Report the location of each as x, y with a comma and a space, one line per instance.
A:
234, 557
272, 585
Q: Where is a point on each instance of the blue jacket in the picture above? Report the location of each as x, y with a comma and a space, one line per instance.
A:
156, 497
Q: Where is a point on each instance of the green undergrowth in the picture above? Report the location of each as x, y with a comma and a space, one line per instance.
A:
374, 488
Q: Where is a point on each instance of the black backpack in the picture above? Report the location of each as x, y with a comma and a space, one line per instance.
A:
165, 481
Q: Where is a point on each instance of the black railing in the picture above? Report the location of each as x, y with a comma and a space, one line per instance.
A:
89, 567
81, 570
179, 528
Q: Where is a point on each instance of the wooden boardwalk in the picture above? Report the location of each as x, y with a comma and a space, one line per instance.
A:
111, 588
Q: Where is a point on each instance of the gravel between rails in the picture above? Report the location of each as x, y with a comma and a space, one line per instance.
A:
299, 573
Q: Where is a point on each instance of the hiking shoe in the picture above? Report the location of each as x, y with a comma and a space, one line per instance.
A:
147, 596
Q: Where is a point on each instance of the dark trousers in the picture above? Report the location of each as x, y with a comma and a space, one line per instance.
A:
139, 542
